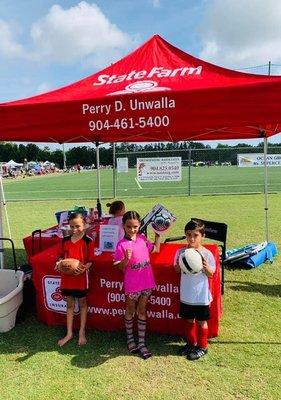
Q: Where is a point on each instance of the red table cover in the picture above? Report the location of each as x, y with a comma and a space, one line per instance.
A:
106, 300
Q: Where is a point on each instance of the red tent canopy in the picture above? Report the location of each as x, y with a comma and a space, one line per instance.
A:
156, 93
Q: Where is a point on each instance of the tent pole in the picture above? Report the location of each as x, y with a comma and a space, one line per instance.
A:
2, 208
64, 157
98, 169
114, 169
2, 200
265, 187
265, 145
189, 169
1, 228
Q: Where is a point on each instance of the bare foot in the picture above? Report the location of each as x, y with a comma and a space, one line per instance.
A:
82, 339
64, 340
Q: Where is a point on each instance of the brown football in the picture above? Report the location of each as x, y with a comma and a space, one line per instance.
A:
70, 266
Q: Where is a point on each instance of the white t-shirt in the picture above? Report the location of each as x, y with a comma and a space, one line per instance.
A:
194, 288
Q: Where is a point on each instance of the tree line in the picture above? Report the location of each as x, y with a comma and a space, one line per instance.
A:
86, 155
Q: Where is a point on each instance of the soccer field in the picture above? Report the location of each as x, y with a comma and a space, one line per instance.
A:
203, 180
243, 361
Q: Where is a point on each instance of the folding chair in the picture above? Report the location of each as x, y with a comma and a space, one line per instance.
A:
216, 231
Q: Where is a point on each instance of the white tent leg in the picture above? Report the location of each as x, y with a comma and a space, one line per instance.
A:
2, 208
1, 234
3, 203
265, 188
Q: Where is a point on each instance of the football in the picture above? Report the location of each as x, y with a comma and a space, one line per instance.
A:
191, 261
161, 221
70, 266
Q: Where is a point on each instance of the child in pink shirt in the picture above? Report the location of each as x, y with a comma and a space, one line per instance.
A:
132, 255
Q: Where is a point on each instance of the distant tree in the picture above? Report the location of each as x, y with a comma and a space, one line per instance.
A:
8, 151
32, 152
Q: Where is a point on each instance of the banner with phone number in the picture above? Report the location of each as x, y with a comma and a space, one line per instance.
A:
160, 169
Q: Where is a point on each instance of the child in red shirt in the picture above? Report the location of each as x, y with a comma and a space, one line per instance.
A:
79, 246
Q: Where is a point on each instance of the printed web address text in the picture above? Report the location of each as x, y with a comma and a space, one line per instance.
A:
117, 312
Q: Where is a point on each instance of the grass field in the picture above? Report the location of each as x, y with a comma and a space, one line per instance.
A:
243, 362
213, 180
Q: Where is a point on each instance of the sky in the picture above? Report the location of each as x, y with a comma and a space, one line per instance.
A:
46, 44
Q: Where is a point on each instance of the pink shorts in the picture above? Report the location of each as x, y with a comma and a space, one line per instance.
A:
142, 293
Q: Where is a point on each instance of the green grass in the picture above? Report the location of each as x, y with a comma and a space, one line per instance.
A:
213, 180
243, 362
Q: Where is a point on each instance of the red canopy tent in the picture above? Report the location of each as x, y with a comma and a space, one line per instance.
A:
156, 93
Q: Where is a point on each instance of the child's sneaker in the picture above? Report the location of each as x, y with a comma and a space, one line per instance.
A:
144, 352
196, 354
186, 349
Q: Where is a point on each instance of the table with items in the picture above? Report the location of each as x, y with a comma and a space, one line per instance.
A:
106, 299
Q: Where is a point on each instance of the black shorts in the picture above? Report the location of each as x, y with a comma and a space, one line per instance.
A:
189, 311
74, 293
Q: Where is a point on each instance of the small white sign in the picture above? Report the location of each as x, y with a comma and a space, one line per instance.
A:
257, 160
122, 164
159, 169
109, 236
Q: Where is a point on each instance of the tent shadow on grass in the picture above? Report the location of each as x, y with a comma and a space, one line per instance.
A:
231, 342
268, 290
31, 337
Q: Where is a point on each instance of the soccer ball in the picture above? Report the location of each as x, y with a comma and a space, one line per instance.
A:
161, 221
191, 261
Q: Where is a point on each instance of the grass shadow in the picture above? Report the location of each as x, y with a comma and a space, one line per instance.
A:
237, 266
31, 337
213, 341
267, 290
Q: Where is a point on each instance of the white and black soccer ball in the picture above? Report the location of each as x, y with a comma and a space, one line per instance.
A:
161, 221
191, 261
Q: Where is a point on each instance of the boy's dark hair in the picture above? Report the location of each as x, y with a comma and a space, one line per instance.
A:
131, 215
115, 206
76, 215
195, 224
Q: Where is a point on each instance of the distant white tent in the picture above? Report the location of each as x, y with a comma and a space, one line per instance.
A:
12, 164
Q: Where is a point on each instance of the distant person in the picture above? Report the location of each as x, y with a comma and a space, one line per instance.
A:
78, 167
195, 295
79, 246
132, 256
117, 210
25, 165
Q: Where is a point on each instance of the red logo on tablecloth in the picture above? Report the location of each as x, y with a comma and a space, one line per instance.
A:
54, 301
57, 296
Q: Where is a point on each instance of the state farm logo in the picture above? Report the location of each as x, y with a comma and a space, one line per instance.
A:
54, 300
143, 86
154, 73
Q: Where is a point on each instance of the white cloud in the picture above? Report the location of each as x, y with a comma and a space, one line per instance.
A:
9, 48
80, 33
241, 33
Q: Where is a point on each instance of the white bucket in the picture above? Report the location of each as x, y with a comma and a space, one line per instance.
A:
11, 286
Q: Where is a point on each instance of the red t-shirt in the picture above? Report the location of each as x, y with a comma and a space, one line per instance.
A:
82, 250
